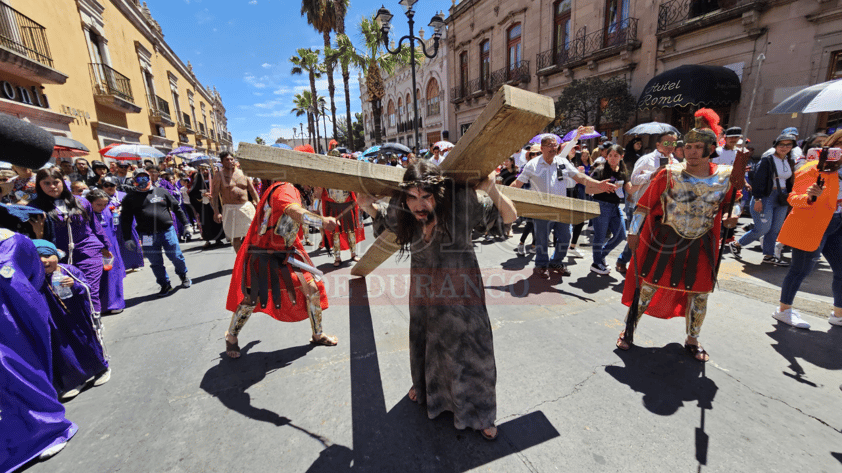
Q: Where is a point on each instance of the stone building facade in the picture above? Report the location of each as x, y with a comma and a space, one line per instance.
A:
100, 72
434, 112
776, 47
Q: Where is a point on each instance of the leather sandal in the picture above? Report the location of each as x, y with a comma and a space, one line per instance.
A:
622, 339
695, 350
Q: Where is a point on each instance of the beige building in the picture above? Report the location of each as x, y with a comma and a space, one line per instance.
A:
100, 72
433, 113
775, 47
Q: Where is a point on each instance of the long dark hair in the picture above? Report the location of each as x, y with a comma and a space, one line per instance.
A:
47, 204
604, 166
430, 179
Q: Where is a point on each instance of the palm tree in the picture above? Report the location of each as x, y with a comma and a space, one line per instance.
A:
302, 107
326, 16
308, 60
345, 55
375, 62
259, 141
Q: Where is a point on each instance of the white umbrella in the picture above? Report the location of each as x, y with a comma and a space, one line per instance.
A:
443, 145
824, 97
133, 151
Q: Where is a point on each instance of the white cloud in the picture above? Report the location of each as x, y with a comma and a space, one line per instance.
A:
276, 113
266, 65
268, 104
203, 16
258, 93
253, 2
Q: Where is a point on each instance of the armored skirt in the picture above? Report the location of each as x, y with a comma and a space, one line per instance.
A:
336, 204
451, 350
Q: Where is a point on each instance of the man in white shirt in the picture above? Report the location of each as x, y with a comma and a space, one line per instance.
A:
728, 153
552, 173
437, 157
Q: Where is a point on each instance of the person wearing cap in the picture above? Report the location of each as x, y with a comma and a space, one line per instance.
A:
76, 336
797, 154
100, 170
153, 209
814, 229
132, 260
674, 236
772, 183
111, 286
552, 173
604, 147
532, 152
33, 423
727, 153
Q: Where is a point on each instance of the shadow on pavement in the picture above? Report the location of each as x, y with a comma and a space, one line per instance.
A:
813, 346
404, 438
535, 285
818, 282
593, 283
207, 277
229, 380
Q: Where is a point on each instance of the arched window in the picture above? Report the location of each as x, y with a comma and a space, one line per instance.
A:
513, 47
390, 112
561, 32
485, 64
433, 107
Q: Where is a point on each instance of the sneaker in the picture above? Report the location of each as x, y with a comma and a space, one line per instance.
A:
51, 451
735, 248
779, 248
600, 268
775, 261
574, 253
521, 250
532, 249
834, 320
487, 237
165, 289
70, 394
103, 378
185, 281
542, 273
791, 317
560, 269
621, 268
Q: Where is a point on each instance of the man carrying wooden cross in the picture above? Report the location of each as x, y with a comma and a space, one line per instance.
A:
451, 351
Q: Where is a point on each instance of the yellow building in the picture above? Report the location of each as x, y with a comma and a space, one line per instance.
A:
100, 72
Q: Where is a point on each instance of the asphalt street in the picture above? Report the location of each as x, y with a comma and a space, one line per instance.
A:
769, 399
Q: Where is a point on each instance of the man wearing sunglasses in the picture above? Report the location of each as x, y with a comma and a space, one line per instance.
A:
150, 206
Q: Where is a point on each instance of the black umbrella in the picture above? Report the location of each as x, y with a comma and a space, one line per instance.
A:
694, 85
824, 97
394, 147
653, 128
69, 148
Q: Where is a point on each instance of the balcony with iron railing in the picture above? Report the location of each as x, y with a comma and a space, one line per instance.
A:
590, 47
458, 93
680, 16
112, 89
514, 74
24, 50
184, 125
159, 111
201, 132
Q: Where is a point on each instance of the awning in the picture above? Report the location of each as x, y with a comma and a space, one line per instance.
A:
694, 85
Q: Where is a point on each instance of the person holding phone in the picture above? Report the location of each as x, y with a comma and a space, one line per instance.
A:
610, 217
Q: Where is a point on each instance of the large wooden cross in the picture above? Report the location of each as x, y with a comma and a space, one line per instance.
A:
511, 118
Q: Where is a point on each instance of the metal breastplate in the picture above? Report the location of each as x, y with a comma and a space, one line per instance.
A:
691, 203
338, 195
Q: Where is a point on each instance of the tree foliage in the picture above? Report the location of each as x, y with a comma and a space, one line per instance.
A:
358, 134
260, 141
593, 101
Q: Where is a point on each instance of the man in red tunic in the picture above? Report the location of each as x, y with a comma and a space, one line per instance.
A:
677, 223
268, 275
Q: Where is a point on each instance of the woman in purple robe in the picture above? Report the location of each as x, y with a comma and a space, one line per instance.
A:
131, 259
72, 226
111, 286
33, 422
78, 353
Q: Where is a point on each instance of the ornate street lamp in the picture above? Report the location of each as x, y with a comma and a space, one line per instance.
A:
384, 17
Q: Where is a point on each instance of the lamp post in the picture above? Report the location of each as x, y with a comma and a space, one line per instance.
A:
384, 17
294, 132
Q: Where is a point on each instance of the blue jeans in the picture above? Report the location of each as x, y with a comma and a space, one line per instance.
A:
164, 242
610, 218
803, 263
767, 224
561, 240
625, 256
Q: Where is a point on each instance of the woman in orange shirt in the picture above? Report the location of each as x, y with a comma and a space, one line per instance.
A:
813, 229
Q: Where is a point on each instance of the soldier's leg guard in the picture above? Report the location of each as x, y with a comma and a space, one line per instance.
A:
337, 246
314, 311
697, 305
647, 292
352, 242
239, 318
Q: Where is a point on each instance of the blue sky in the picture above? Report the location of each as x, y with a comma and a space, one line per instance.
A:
243, 48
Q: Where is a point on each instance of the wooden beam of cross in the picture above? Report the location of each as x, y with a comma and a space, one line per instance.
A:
511, 118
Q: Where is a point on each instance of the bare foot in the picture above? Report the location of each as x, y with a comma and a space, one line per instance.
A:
489, 433
232, 348
695, 350
323, 339
412, 395
622, 344
355, 258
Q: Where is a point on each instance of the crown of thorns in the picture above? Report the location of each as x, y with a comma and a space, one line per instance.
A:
426, 182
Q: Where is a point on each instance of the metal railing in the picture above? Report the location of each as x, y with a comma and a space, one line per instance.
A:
458, 93
107, 81
675, 12
184, 122
517, 72
160, 107
20, 34
202, 129
621, 34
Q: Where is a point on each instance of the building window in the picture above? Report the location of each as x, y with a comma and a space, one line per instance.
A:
485, 64
391, 114
833, 120
401, 114
513, 48
616, 16
433, 107
561, 33
463, 72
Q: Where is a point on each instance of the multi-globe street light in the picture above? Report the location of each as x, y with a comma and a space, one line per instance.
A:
384, 17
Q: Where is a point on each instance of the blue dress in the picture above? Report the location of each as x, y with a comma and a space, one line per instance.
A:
111, 285
32, 418
131, 259
77, 352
